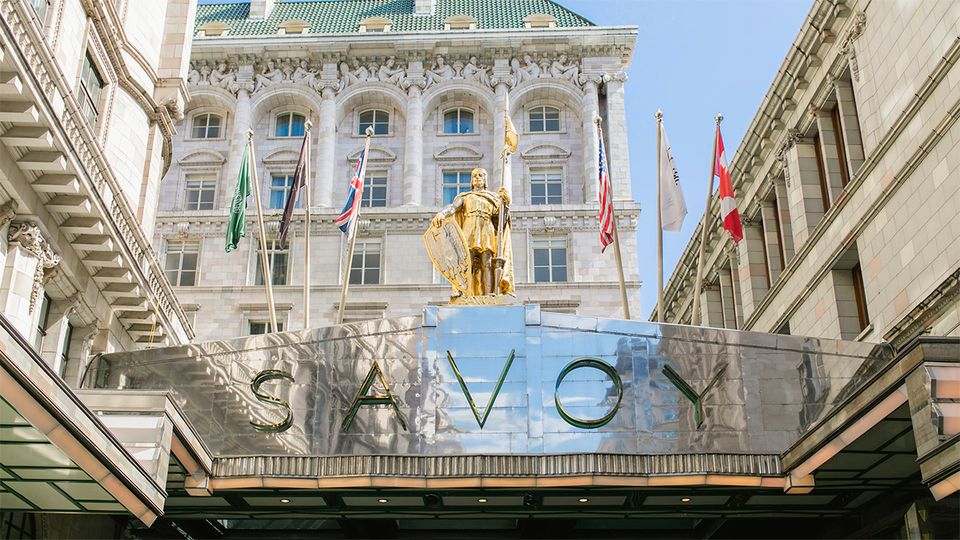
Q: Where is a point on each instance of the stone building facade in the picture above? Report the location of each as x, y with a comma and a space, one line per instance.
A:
89, 98
435, 85
848, 181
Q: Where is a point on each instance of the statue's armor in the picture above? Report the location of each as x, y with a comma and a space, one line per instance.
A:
479, 210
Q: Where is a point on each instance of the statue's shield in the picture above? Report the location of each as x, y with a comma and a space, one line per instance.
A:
447, 248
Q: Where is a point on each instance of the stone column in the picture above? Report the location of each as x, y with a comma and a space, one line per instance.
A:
831, 157
499, 129
618, 151
591, 109
242, 121
850, 125
768, 220
803, 193
28, 257
413, 146
783, 213
326, 149
727, 298
754, 281
711, 306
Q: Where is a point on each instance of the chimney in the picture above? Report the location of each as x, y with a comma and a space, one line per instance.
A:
425, 7
260, 9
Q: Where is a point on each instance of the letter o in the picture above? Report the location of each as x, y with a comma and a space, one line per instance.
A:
595, 364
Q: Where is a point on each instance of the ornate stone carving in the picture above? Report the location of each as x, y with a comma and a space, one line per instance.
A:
560, 69
7, 211
846, 44
269, 74
28, 236
473, 70
303, 74
439, 72
390, 73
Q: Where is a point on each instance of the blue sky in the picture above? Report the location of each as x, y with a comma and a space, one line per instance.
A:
694, 58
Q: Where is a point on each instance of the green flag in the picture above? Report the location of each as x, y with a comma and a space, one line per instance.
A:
237, 224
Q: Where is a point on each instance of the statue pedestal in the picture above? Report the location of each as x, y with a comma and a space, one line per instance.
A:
498, 300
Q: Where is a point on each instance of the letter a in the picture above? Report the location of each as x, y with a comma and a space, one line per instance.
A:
493, 396
376, 399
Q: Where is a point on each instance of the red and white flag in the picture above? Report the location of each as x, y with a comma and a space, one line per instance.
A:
728, 204
606, 197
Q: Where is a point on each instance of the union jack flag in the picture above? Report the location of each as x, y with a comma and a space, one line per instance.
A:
351, 210
606, 198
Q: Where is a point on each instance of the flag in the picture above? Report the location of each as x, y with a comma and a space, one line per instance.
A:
728, 204
348, 216
606, 197
510, 137
237, 223
299, 182
673, 208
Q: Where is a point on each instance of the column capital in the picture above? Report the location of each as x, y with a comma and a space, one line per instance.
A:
29, 237
7, 212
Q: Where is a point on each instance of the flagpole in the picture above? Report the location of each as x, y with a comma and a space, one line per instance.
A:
498, 273
697, 284
308, 186
264, 260
659, 116
353, 237
616, 237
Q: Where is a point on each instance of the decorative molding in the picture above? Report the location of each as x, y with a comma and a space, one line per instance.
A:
7, 212
29, 237
545, 152
846, 44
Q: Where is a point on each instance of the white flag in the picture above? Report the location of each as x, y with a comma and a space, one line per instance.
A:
672, 206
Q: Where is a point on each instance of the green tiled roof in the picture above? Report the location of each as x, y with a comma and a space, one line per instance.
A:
341, 16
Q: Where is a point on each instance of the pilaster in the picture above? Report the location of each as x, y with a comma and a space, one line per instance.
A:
618, 150
327, 147
413, 146
591, 110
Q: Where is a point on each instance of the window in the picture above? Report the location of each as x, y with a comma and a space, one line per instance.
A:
181, 264
549, 260
207, 126
458, 121
374, 191
841, 148
65, 349
42, 323
280, 185
260, 327
460, 22
199, 194
377, 119
546, 187
289, 125
40, 6
860, 295
454, 183
822, 173
539, 20
91, 85
277, 257
544, 119
365, 268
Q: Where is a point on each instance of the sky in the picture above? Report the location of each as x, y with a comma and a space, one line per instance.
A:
693, 59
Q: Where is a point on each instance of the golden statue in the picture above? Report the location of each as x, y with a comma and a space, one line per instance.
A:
469, 243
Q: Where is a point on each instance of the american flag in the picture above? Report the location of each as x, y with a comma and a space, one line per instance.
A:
351, 210
606, 198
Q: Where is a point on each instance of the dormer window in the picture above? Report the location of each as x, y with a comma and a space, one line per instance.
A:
460, 22
212, 29
375, 24
539, 20
293, 26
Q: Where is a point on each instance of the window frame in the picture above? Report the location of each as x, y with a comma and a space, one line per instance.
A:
547, 182
84, 94
203, 180
289, 124
360, 130
266, 325
363, 269
221, 128
366, 196
459, 110
274, 248
459, 184
178, 281
565, 241
860, 296
543, 108
272, 188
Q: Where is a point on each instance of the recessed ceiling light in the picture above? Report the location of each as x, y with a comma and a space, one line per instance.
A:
284, 501
583, 499
685, 499
481, 500
383, 501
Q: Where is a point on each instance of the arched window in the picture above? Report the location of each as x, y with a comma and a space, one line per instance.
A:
289, 125
544, 119
377, 119
207, 126
458, 120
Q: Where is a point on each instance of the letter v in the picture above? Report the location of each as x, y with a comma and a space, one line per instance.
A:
690, 393
493, 396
